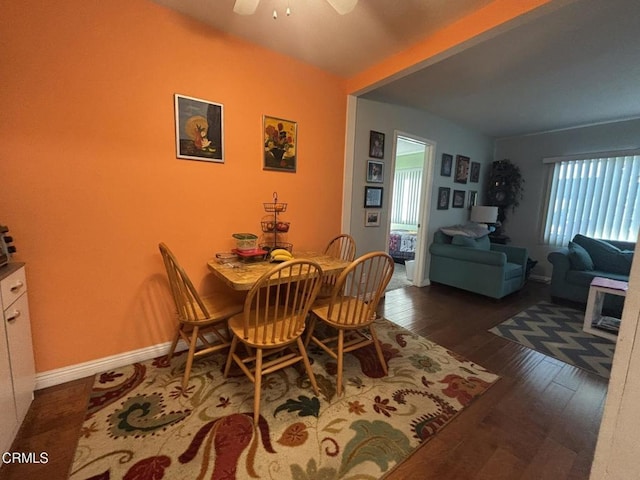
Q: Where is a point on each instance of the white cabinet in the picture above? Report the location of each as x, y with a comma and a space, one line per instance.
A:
17, 370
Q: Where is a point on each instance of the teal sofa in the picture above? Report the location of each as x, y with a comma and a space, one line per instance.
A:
477, 265
585, 258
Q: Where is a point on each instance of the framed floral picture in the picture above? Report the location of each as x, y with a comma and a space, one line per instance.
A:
375, 172
443, 198
199, 129
458, 198
446, 165
376, 144
462, 169
280, 139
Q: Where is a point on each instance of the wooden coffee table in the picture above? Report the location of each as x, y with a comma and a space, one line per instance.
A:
600, 287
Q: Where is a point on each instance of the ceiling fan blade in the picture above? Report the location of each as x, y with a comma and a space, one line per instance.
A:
343, 6
245, 7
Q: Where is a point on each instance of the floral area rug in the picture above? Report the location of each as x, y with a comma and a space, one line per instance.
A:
142, 425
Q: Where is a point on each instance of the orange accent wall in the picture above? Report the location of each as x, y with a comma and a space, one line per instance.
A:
90, 179
497, 13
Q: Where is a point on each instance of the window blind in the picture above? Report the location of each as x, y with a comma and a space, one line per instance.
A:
597, 197
406, 188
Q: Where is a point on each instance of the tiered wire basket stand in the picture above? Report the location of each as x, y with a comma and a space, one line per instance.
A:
274, 228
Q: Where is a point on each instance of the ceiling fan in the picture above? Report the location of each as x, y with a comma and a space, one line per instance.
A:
248, 7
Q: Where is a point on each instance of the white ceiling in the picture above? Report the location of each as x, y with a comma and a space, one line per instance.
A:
576, 65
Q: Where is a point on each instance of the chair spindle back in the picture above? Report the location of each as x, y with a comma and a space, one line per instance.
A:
277, 306
358, 289
189, 306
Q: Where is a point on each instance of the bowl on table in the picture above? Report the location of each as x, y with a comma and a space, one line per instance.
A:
245, 242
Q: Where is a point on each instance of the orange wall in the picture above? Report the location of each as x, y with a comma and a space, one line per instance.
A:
90, 180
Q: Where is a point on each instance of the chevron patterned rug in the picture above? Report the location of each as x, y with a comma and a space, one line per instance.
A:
556, 331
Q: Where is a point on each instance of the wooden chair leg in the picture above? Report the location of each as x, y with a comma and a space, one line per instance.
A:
258, 386
376, 343
232, 349
340, 361
192, 350
309, 330
307, 366
174, 343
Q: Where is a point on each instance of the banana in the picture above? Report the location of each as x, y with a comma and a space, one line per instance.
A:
281, 258
281, 251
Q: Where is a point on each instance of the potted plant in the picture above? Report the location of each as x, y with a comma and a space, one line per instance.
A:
505, 188
505, 184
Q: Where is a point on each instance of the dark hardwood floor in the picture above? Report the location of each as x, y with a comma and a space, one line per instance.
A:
539, 421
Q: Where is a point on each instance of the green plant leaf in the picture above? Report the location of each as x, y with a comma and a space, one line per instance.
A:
305, 406
332, 427
374, 441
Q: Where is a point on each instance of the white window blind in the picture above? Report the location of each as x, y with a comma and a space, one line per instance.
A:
406, 188
597, 197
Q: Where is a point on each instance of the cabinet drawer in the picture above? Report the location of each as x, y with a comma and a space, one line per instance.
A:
13, 286
18, 326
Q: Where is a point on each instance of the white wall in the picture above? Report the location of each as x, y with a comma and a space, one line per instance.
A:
617, 455
449, 138
528, 151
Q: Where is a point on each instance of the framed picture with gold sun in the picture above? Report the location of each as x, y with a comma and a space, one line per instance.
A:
199, 129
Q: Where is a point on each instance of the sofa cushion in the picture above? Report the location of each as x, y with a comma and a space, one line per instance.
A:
606, 257
480, 243
584, 277
579, 257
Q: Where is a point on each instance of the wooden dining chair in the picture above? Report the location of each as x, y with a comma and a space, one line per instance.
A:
272, 323
200, 319
343, 247
351, 310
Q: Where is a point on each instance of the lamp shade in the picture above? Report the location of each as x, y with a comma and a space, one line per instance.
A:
482, 214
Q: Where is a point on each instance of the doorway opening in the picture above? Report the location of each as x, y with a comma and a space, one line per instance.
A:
407, 215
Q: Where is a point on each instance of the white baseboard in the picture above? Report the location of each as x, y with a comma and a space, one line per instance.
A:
81, 370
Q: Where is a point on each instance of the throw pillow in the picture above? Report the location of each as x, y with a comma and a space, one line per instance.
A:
579, 257
463, 241
606, 257
621, 262
481, 243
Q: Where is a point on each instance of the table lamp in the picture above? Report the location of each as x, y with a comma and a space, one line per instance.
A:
484, 214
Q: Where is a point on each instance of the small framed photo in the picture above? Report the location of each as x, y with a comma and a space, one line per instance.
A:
375, 172
372, 219
376, 144
462, 169
446, 165
474, 175
443, 198
199, 129
280, 144
458, 198
372, 197
473, 198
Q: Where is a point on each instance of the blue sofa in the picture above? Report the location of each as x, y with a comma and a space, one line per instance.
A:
477, 265
575, 265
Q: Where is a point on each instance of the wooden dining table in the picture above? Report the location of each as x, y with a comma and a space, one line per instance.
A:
243, 274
